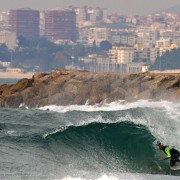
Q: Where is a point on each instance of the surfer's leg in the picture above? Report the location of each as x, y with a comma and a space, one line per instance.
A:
172, 162
176, 157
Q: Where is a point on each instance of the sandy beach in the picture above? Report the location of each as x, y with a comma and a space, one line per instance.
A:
7, 75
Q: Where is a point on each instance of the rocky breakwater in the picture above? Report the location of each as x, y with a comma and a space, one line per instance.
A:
62, 87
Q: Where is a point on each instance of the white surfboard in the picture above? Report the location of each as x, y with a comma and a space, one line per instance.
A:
175, 167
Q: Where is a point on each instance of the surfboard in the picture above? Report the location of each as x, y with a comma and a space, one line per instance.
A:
175, 167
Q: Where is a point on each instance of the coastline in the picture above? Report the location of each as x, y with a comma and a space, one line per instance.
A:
7, 75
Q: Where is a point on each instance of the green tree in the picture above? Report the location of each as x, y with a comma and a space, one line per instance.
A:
5, 54
170, 60
60, 61
105, 45
23, 42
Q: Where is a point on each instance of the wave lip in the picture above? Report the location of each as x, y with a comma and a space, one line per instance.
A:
114, 106
126, 176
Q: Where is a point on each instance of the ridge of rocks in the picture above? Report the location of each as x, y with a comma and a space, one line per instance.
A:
66, 87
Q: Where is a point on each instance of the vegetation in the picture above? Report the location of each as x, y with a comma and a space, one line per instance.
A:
105, 46
170, 60
4, 53
42, 55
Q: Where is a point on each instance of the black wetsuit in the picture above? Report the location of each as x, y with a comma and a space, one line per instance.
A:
174, 155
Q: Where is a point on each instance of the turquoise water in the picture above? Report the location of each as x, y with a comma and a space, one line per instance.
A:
111, 141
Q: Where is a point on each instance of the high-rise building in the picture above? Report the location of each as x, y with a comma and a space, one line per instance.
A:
60, 25
92, 16
42, 24
25, 22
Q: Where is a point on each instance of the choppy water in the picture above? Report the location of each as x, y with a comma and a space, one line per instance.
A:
111, 141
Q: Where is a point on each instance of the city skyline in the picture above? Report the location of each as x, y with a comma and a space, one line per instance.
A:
129, 7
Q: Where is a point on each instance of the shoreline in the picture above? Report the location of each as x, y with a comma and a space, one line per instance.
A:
7, 75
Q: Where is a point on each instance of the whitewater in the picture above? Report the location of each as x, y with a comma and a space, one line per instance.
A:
103, 141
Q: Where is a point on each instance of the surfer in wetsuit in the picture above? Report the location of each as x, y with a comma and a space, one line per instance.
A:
171, 153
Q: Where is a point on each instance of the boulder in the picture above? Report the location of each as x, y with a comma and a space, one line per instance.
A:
63, 87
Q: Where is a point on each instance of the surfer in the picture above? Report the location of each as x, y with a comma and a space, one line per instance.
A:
171, 153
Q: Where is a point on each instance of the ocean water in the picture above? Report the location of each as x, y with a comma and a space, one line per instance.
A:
110, 141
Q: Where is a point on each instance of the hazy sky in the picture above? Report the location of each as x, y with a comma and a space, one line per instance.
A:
120, 6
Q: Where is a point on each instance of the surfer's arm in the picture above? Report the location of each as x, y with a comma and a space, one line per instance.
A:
162, 159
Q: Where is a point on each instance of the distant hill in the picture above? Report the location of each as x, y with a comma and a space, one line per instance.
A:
174, 9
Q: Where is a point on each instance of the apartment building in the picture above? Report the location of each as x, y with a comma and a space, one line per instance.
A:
4, 20
8, 38
60, 25
147, 37
146, 54
124, 39
121, 54
88, 14
163, 42
97, 35
24, 22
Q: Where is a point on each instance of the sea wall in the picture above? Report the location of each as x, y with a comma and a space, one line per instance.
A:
63, 87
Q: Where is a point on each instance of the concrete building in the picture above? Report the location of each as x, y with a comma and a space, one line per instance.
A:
163, 42
92, 15
5, 64
42, 24
4, 20
146, 54
123, 39
147, 37
8, 38
121, 54
97, 35
14, 70
60, 25
24, 22
116, 67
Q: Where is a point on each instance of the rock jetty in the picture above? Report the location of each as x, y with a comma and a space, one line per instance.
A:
65, 87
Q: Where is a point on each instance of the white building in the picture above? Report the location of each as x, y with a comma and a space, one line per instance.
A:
163, 42
148, 54
4, 20
97, 35
121, 54
42, 23
123, 38
15, 70
116, 67
88, 15
8, 38
147, 37
5, 64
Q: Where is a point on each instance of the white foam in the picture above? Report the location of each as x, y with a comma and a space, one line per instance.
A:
125, 176
163, 123
114, 106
